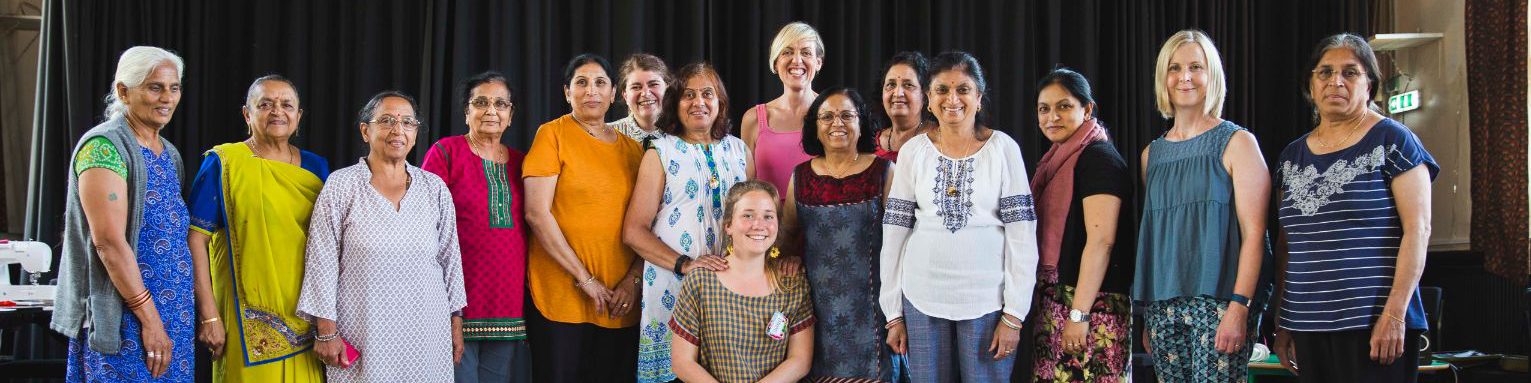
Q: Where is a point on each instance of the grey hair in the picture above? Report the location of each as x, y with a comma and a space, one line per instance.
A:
1363, 53
369, 110
132, 68
254, 92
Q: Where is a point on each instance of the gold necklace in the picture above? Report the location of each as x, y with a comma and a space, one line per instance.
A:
842, 172
1352, 133
255, 149
487, 152
588, 130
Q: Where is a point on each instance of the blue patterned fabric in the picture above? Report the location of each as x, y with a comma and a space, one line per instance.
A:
1183, 332
165, 265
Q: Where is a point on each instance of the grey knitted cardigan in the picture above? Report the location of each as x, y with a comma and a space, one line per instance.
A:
86, 297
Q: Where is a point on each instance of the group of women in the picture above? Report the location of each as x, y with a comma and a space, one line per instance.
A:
660, 247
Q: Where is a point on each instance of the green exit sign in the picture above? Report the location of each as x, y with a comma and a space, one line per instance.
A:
1403, 102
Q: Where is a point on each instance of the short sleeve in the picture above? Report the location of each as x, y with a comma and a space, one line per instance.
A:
1404, 152
205, 203
802, 314
686, 319
543, 159
98, 152
436, 161
1101, 170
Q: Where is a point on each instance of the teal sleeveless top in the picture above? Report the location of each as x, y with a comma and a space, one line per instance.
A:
1188, 240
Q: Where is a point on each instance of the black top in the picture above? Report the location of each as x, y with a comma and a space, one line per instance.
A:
1100, 170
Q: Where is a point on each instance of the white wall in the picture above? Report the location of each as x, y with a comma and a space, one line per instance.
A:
1440, 74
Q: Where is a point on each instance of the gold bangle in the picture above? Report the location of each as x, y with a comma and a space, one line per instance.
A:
1395, 317
210, 320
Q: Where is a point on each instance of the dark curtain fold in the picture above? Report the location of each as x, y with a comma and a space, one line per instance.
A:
341, 52
1496, 54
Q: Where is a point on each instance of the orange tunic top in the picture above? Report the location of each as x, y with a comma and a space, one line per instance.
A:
595, 179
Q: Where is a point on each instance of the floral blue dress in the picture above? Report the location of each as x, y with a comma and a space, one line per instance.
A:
165, 265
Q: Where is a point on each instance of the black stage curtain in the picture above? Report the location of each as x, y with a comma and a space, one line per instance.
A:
341, 52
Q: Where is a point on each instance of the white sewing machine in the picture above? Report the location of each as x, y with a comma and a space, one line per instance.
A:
35, 258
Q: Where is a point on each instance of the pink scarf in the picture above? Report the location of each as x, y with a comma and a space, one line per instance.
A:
1054, 188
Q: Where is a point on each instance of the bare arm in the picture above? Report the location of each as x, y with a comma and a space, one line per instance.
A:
799, 357
201, 265
638, 227
103, 196
792, 238
539, 215
1251, 197
683, 362
1411, 192
1100, 214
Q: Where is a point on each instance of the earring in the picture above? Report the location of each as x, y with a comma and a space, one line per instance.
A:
775, 252
729, 251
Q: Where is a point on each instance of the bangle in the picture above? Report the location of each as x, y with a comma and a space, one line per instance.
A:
210, 320
893, 322
1240, 299
586, 282
138, 300
326, 338
1006, 320
1395, 317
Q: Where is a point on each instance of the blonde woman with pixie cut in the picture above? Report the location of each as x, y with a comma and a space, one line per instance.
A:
1202, 235
774, 130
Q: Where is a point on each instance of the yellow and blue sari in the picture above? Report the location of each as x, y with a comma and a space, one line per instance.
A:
257, 213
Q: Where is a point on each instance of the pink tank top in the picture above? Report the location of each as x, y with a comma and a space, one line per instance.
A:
776, 153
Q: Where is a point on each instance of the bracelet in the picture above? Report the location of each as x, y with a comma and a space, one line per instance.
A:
680, 264
137, 300
893, 322
586, 282
1395, 317
1240, 299
210, 320
326, 338
1008, 323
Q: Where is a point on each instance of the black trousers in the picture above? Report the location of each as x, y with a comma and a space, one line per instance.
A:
580, 352
1345, 356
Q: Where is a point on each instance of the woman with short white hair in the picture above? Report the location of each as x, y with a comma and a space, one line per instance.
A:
774, 130
125, 276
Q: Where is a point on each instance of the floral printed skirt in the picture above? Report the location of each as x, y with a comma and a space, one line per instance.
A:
1105, 360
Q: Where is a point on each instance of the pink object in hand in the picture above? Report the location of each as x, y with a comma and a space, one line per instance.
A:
351, 355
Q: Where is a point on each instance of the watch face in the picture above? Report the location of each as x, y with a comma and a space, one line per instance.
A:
1075, 315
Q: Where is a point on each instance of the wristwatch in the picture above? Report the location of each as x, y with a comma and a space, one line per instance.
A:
1076, 316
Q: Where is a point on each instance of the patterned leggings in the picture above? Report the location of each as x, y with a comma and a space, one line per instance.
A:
1183, 334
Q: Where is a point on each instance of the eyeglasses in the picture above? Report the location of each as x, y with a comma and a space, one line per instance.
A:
498, 103
1327, 73
407, 124
846, 117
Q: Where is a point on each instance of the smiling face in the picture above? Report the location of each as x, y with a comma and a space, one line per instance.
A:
589, 92
797, 64
153, 102
839, 124
954, 97
273, 111
902, 93
483, 114
698, 104
1059, 113
643, 93
752, 226
1347, 91
390, 133
1186, 77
